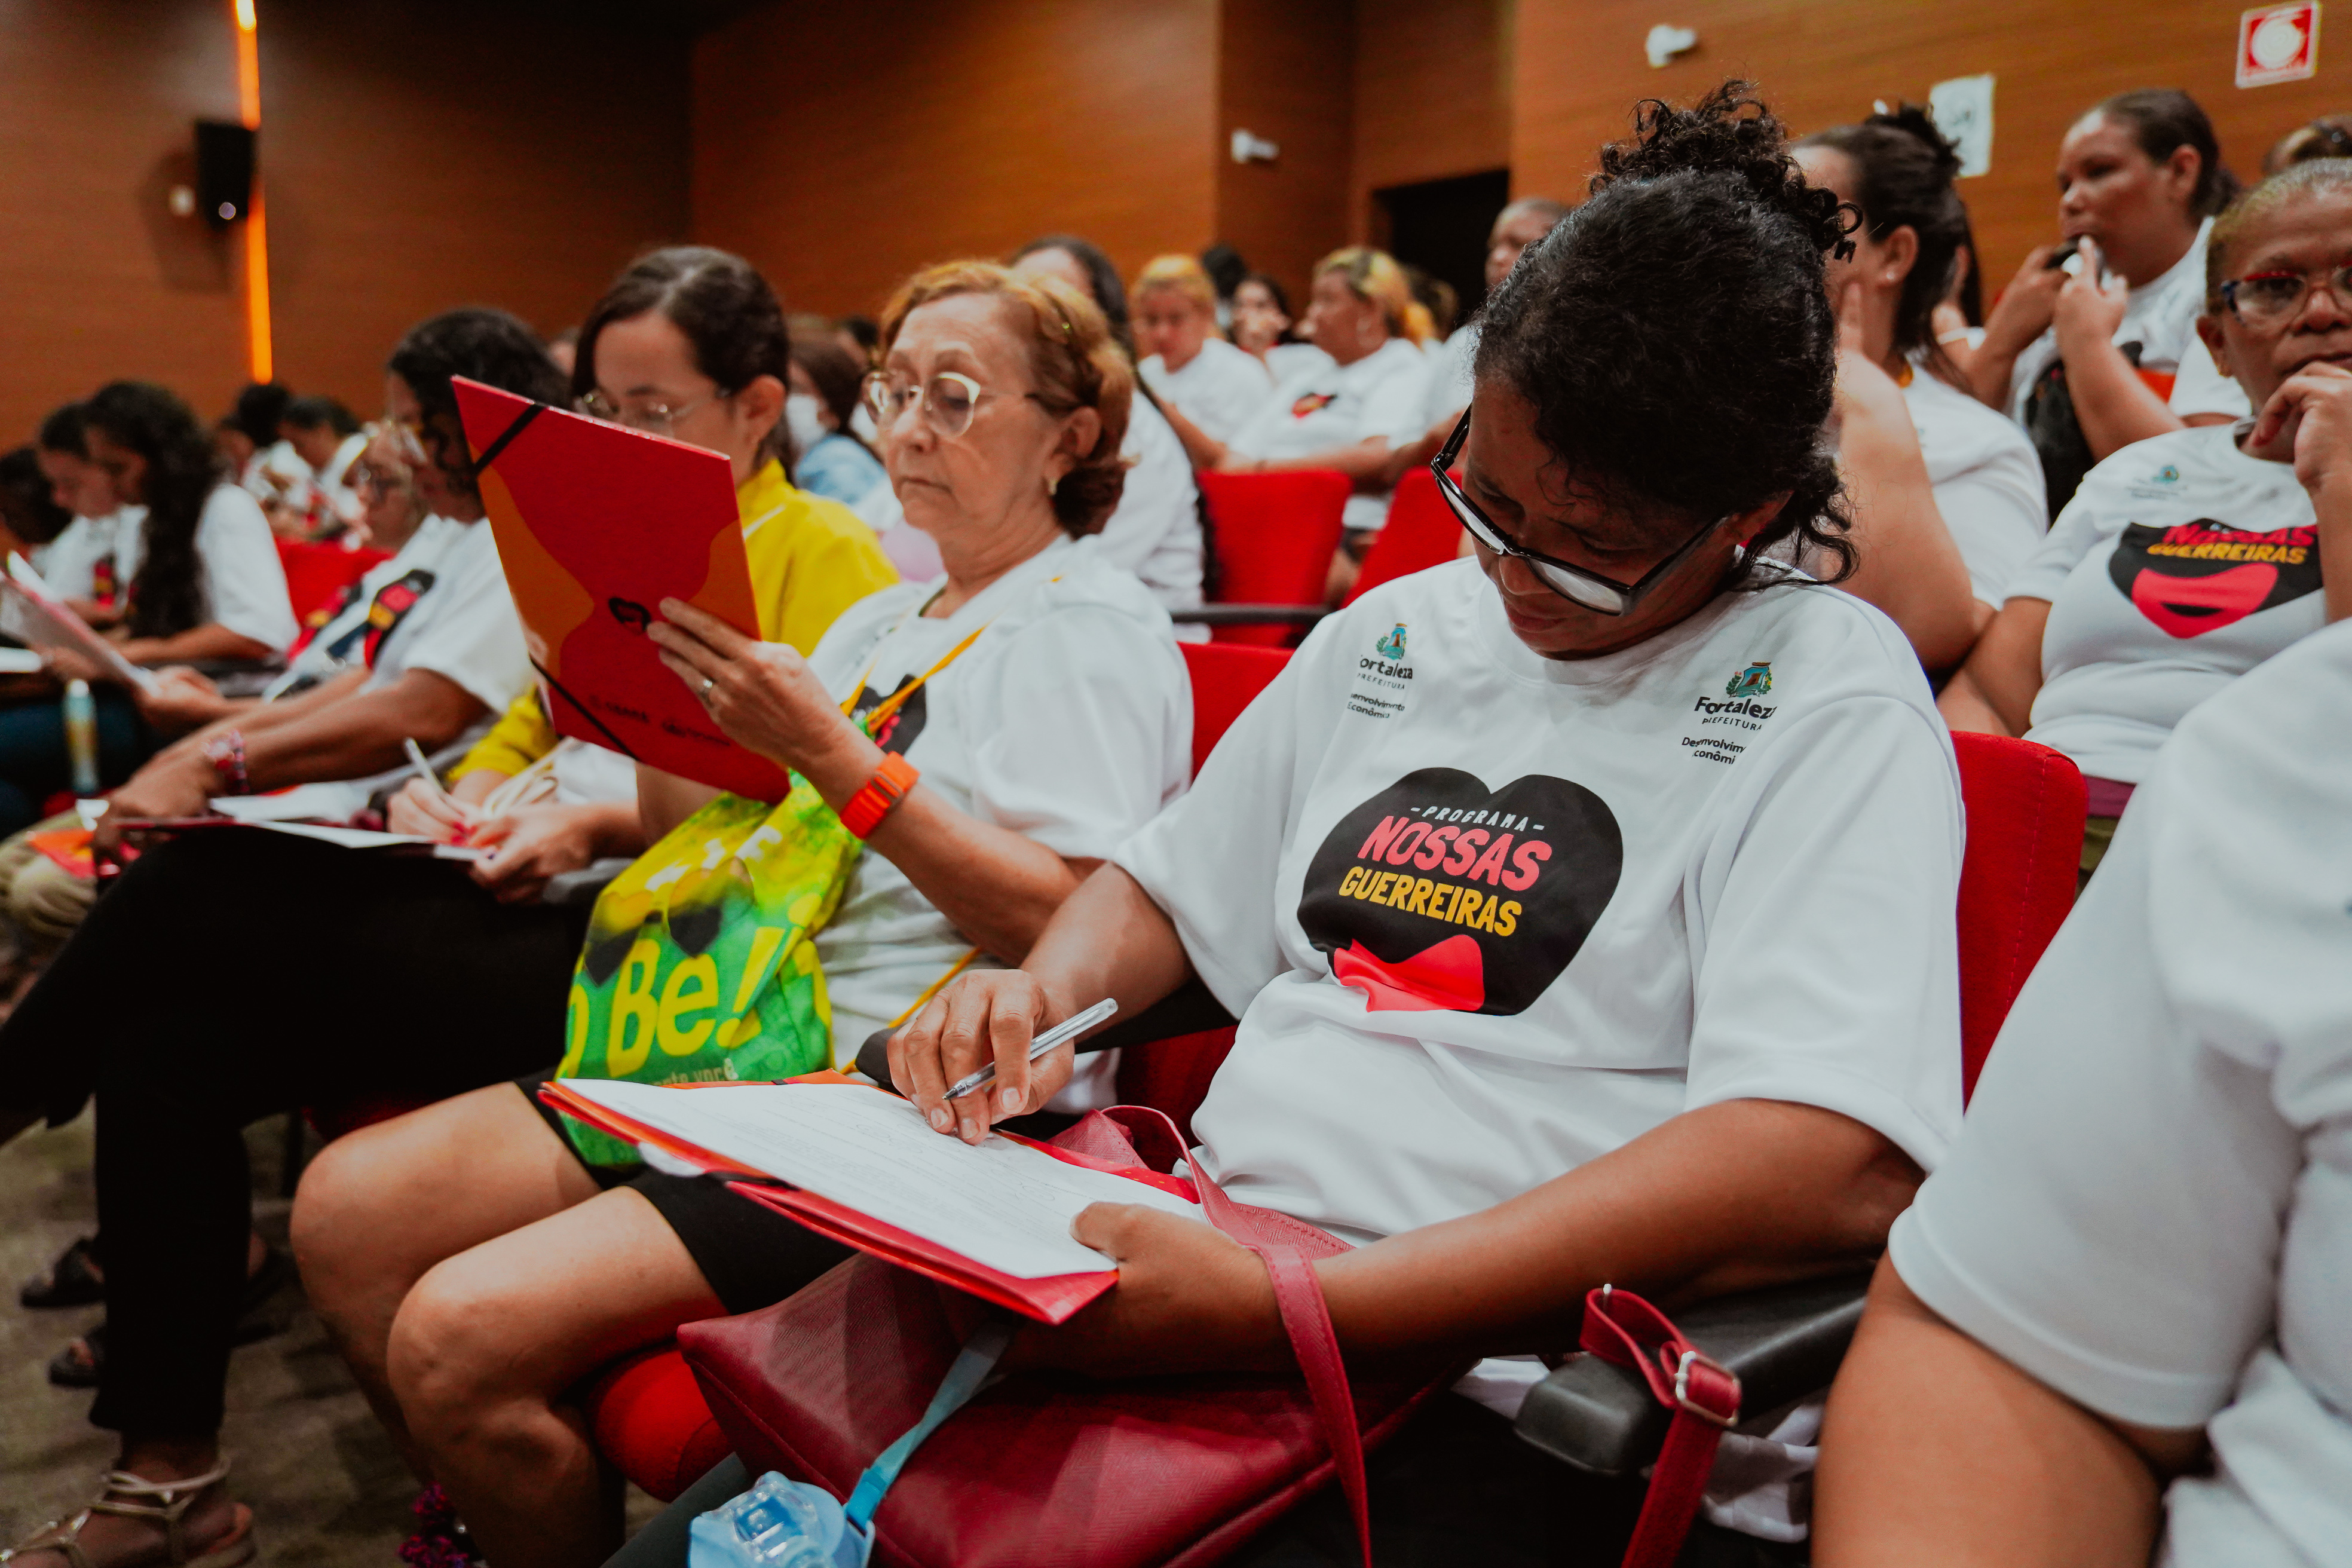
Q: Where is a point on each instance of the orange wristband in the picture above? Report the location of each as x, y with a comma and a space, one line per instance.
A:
864, 812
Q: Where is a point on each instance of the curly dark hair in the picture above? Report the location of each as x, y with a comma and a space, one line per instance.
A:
182, 470
61, 431
724, 307
480, 344
1904, 169
1673, 334
31, 513
258, 409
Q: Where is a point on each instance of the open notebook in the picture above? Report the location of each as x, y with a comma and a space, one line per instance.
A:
866, 1170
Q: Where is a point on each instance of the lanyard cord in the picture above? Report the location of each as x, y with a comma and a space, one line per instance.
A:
880, 713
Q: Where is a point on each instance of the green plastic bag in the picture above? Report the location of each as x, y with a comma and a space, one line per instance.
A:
699, 964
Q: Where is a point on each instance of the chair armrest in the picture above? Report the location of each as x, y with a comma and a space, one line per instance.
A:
1781, 1344
569, 887
1190, 1009
1247, 614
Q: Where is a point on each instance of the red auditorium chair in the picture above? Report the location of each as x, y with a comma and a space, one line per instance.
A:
1421, 532
316, 573
1271, 536
2024, 806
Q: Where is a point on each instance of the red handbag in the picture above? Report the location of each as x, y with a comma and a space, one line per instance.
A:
1042, 1470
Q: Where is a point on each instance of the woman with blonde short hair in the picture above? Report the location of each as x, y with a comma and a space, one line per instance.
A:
1191, 370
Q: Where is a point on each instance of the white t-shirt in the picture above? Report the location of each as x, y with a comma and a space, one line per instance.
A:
2160, 316
2180, 565
1987, 479
1486, 916
1284, 361
1068, 722
87, 547
244, 582
1155, 530
1449, 375
274, 472
2150, 1206
1218, 388
1318, 409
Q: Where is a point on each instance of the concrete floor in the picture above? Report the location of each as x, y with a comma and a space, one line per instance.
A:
326, 1487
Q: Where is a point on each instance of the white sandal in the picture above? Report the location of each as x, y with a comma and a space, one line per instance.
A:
174, 1499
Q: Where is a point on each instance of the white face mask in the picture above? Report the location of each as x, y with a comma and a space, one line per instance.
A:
802, 418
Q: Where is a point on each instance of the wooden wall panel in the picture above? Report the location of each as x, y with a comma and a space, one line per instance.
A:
1286, 73
1580, 69
840, 147
99, 280
409, 173
1433, 93
417, 155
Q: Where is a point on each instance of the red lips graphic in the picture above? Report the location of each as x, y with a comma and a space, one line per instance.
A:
2188, 606
1448, 977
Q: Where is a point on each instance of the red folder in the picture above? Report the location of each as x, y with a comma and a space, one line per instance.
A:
1052, 1299
597, 525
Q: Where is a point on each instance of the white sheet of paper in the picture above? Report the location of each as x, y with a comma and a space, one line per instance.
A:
47, 621
349, 838
1000, 1204
262, 807
1962, 108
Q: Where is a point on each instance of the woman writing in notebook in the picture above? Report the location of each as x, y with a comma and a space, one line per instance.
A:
688, 343
1551, 887
1019, 721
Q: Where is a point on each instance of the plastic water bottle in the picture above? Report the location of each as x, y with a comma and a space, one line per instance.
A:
778, 1523
81, 736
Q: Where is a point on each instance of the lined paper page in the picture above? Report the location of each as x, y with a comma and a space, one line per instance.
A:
1000, 1204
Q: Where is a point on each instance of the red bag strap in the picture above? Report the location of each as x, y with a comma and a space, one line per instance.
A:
1306, 1318
1621, 1327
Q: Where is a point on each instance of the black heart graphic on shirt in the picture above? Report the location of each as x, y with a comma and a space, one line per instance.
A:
1437, 893
2200, 576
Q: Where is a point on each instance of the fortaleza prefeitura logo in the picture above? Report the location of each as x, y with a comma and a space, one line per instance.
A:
1391, 647
1741, 706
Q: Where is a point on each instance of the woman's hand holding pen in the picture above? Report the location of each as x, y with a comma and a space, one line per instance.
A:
988, 1016
766, 700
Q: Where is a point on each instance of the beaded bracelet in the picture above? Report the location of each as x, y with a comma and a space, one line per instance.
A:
226, 752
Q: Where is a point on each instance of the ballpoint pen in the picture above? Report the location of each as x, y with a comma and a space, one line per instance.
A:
1068, 1029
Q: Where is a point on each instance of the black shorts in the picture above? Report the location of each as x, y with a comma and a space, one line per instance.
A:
751, 1257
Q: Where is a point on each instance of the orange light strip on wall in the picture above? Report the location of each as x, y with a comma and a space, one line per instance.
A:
256, 235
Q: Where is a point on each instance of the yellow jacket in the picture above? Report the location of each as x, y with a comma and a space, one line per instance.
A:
811, 559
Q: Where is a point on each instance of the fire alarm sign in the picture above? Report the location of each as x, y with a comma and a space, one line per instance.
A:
2278, 43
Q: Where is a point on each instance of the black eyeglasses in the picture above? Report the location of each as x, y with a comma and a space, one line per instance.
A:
1572, 582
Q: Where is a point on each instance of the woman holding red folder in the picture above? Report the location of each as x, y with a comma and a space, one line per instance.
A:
1016, 723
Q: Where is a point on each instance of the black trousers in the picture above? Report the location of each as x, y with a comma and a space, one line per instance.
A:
233, 973
1455, 1487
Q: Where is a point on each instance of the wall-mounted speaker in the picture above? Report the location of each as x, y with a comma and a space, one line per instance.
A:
224, 171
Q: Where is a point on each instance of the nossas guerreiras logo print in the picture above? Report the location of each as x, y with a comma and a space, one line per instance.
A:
2200, 576
1440, 894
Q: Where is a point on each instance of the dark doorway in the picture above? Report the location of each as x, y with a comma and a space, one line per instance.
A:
1440, 226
